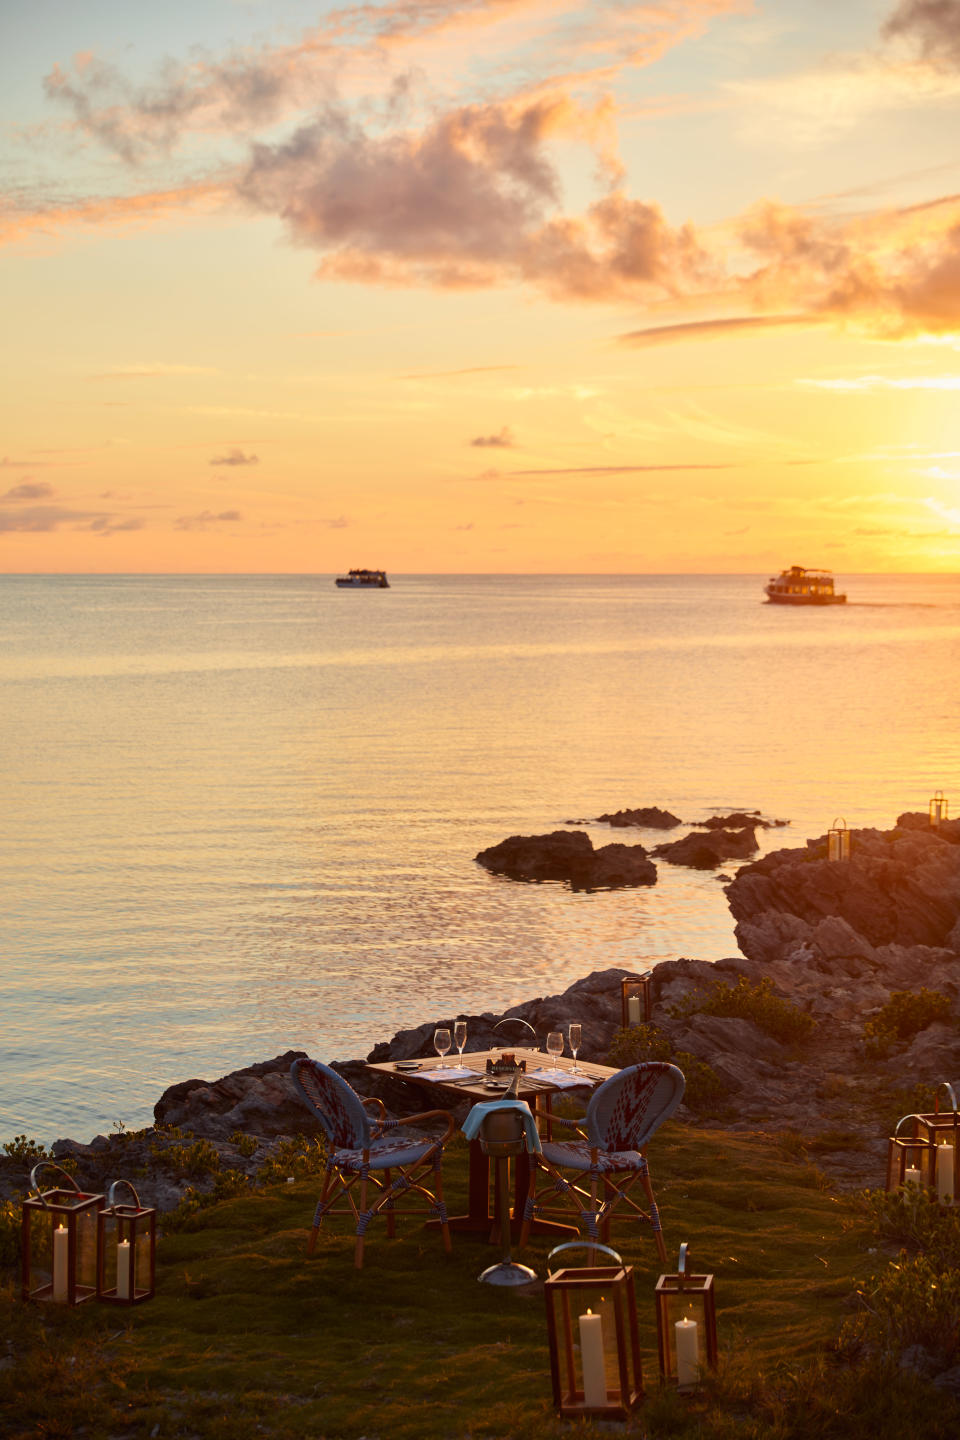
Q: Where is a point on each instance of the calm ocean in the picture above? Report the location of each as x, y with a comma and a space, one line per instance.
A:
240, 813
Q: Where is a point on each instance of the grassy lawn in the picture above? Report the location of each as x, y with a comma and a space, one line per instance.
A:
247, 1337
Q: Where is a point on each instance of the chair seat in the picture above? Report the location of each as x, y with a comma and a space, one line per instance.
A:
384, 1154
572, 1156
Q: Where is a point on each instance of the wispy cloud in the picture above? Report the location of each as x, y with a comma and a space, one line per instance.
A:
45, 519
620, 469
503, 440
29, 490
711, 329
931, 28
205, 519
861, 384
235, 457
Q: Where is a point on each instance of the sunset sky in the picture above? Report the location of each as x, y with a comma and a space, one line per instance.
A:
480, 285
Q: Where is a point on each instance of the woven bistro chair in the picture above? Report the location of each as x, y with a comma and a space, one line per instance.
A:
359, 1178
596, 1172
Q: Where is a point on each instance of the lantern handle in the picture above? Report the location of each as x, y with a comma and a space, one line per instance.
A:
839, 823
902, 1120
111, 1192
516, 1020
682, 1262
952, 1091
581, 1245
49, 1165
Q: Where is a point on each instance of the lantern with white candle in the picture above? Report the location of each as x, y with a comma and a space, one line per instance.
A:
939, 810
59, 1240
636, 1001
593, 1337
686, 1324
127, 1248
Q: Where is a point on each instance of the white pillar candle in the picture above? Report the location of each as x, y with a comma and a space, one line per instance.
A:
124, 1270
633, 1009
688, 1352
945, 1173
61, 1264
591, 1359
912, 1177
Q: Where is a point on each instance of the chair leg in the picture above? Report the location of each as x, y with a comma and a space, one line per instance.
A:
361, 1222
391, 1218
321, 1206
445, 1223
654, 1214
528, 1207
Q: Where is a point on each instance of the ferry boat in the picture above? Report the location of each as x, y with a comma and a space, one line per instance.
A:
364, 580
798, 586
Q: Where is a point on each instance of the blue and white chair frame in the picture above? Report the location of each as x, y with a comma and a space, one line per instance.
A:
608, 1157
360, 1158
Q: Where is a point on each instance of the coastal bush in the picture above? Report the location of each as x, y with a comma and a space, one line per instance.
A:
192, 1202
246, 1144
706, 1092
746, 1000
295, 1156
26, 1152
905, 1014
637, 1044
10, 1219
199, 1158
914, 1305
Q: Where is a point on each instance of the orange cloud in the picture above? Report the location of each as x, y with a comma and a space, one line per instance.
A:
114, 210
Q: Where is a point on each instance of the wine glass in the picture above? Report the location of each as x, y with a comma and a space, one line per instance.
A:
573, 1035
460, 1036
441, 1042
555, 1046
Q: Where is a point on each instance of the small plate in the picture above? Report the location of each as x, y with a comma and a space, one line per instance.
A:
406, 1065
498, 1085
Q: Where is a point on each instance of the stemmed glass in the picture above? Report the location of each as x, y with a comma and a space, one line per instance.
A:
460, 1035
441, 1042
555, 1046
574, 1037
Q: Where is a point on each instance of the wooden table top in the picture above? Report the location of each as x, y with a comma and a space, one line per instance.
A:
474, 1081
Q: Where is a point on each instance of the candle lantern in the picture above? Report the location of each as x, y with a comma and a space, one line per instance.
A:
838, 841
939, 809
59, 1241
126, 1249
592, 1331
636, 1001
925, 1149
686, 1324
911, 1152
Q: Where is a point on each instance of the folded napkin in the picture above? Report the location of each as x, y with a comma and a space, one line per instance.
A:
563, 1079
473, 1122
449, 1073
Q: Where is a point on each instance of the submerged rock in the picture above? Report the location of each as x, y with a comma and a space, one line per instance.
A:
569, 856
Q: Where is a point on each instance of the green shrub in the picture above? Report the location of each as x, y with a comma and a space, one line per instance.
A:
905, 1014
296, 1156
705, 1091
246, 1144
758, 1002
10, 1221
193, 1202
637, 1044
914, 1302
26, 1152
200, 1158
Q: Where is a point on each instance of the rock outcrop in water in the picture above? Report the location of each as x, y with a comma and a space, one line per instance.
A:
707, 851
649, 817
569, 856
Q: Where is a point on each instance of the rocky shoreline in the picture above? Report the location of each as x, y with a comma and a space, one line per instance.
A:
833, 939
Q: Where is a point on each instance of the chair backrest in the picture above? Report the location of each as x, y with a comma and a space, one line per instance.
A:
335, 1104
628, 1108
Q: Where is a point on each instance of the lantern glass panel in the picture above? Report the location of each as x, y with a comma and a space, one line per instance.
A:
60, 1246
635, 1000
685, 1302
594, 1344
127, 1249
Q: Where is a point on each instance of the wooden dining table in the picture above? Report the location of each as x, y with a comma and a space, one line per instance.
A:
544, 1078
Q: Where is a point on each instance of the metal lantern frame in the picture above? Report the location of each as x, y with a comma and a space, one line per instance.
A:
939, 809
126, 1249
59, 1240
636, 999
838, 840
679, 1297
912, 1146
593, 1337
917, 1140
